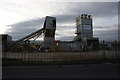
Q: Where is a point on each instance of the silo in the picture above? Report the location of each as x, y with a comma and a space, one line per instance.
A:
84, 27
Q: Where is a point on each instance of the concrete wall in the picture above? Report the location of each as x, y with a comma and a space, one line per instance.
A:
6, 40
62, 55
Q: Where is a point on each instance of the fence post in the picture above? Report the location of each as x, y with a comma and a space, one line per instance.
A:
104, 49
116, 48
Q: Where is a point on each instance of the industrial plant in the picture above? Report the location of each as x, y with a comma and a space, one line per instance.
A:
83, 41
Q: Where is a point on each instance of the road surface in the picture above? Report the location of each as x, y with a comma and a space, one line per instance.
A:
107, 70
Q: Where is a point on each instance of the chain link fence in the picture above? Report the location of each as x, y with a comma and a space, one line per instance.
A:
106, 50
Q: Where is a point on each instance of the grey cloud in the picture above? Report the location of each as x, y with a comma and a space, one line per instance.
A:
29, 24
101, 9
64, 28
106, 27
110, 32
96, 9
24, 28
19, 33
108, 38
65, 18
66, 38
57, 34
106, 35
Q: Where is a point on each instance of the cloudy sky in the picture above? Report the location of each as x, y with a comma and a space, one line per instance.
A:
21, 17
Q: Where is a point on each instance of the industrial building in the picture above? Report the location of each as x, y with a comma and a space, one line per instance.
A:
83, 40
5, 40
84, 31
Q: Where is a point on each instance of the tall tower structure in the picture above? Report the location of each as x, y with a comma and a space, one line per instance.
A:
50, 27
84, 27
49, 33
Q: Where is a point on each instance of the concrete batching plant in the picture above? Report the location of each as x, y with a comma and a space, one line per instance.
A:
84, 39
84, 27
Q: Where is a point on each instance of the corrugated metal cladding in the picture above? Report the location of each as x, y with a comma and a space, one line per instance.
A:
50, 26
49, 39
71, 46
50, 22
49, 34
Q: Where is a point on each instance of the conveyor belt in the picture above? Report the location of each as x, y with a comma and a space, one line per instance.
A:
39, 32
